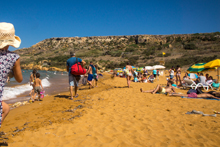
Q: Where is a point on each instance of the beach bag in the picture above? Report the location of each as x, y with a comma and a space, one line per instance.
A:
77, 69
42, 94
84, 81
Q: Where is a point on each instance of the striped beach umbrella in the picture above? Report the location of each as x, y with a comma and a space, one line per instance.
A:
199, 67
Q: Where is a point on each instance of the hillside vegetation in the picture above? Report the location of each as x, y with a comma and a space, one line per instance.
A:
115, 51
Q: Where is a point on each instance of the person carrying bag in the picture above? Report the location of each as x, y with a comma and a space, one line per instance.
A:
75, 69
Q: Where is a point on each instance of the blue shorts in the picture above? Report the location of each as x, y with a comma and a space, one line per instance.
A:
171, 76
90, 77
73, 80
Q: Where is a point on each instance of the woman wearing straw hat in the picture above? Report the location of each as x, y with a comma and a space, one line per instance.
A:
9, 62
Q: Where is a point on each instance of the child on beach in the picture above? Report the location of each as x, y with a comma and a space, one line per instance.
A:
32, 78
144, 79
168, 89
10, 62
37, 87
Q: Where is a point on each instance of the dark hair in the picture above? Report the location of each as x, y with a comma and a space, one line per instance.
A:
37, 75
177, 66
128, 63
34, 71
144, 75
90, 62
201, 74
211, 77
170, 81
72, 54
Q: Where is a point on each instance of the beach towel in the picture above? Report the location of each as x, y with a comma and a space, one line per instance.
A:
200, 112
201, 98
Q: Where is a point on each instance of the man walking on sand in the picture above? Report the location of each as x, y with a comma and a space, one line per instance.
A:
128, 73
73, 79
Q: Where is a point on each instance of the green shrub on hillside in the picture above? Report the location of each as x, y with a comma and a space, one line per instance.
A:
129, 50
149, 51
116, 53
133, 60
166, 55
62, 58
189, 60
38, 53
133, 45
166, 45
159, 47
178, 39
143, 44
190, 46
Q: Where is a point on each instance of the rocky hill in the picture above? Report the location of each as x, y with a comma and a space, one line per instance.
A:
115, 51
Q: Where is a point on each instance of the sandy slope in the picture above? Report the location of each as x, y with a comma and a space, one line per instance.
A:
113, 115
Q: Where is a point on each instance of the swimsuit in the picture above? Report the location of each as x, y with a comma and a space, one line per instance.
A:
37, 89
7, 61
192, 95
212, 93
163, 91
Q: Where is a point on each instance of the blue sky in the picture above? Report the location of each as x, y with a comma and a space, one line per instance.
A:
35, 21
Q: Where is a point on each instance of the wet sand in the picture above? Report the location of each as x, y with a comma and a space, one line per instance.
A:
114, 115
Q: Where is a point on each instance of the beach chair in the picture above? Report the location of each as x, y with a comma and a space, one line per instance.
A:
210, 85
202, 85
188, 83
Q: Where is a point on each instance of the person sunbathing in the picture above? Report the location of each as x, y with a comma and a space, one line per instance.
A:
168, 89
194, 95
214, 93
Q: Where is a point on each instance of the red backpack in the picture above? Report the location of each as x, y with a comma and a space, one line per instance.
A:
77, 69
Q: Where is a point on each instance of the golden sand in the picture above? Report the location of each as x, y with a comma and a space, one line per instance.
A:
114, 115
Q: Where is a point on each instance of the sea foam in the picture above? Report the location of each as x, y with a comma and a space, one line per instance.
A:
13, 92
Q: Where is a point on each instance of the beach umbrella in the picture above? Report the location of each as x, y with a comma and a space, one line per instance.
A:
138, 69
159, 67
149, 68
193, 76
212, 64
199, 67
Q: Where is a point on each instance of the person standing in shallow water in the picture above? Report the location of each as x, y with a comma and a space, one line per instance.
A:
10, 62
32, 78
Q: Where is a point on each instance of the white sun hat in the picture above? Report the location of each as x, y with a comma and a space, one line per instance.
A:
7, 35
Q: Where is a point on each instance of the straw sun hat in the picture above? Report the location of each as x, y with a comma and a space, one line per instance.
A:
7, 35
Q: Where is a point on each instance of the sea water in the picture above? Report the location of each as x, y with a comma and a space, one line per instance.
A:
53, 82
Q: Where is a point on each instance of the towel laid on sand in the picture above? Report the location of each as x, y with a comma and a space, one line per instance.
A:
201, 98
200, 112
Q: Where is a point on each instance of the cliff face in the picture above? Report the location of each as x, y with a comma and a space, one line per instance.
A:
115, 50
